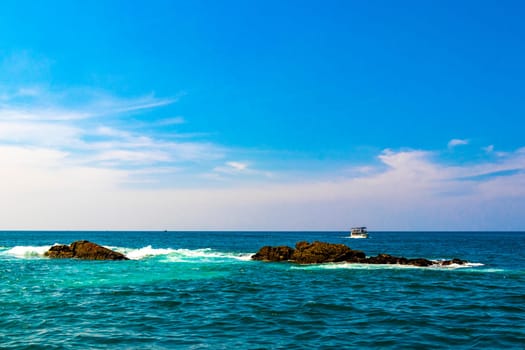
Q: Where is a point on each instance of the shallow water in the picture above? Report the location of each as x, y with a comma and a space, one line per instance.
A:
196, 290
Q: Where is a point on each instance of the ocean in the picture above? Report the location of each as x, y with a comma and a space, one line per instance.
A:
201, 290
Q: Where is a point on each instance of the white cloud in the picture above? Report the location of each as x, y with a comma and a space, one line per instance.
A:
171, 121
489, 148
134, 157
113, 132
232, 168
237, 165
85, 123
41, 114
414, 191
115, 106
457, 142
31, 170
38, 133
70, 166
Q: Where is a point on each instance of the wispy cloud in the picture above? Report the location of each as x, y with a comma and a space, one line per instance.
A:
489, 149
232, 168
39, 134
38, 113
457, 142
91, 133
171, 121
237, 166
106, 105
74, 159
410, 189
73, 105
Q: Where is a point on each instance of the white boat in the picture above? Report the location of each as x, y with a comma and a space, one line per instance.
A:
359, 232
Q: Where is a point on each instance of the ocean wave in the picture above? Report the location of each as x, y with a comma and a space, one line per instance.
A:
456, 266
142, 253
168, 254
334, 266
181, 254
207, 255
25, 252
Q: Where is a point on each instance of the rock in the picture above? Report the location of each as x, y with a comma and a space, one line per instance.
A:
84, 250
453, 261
386, 259
59, 251
321, 252
267, 253
420, 262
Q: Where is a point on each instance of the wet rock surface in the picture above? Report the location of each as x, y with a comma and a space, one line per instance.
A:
322, 252
84, 250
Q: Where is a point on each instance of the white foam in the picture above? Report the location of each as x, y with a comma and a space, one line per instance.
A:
148, 251
491, 270
180, 255
205, 255
171, 255
356, 266
333, 266
27, 251
454, 266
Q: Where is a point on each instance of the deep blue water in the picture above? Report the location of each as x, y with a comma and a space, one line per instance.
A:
197, 290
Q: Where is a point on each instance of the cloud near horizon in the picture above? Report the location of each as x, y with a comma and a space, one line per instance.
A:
409, 190
77, 166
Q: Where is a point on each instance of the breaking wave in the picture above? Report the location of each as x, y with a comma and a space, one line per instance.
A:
25, 252
209, 255
334, 266
167, 254
181, 254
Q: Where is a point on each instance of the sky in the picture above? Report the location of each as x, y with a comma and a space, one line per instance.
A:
262, 115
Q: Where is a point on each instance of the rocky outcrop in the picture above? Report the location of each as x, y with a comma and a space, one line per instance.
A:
322, 252
453, 261
267, 253
84, 250
59, 251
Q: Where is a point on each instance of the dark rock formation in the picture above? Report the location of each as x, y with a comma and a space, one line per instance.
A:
321, 252
453, 261
59, 251
267, 253
84, 250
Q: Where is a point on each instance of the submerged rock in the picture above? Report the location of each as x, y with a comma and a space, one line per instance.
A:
84, 250
322, 252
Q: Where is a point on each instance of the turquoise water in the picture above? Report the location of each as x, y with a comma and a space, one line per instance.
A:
197, 290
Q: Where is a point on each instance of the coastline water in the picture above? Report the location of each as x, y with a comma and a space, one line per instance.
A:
196, 290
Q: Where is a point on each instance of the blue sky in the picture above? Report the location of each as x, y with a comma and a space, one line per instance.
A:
262, 115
